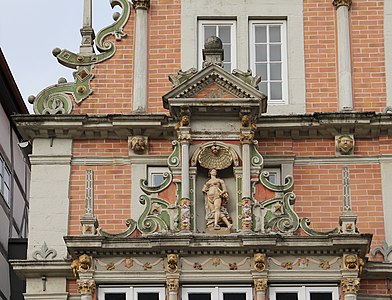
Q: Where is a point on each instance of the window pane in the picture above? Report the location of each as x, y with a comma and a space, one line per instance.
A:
263, 87
272, 178
226, 53
260, 34
321, 296
234, 296
157, 179
286, 296
147, 296
209, 31
199, 296
261, 69
276, 90
275, 53
117, 296
276, 71
261, 53
274, 31
224, 34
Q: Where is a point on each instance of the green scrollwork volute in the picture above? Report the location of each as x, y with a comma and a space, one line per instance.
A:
131, 228
305, 222
256, 158
56, 99
156, 189
174, 158
280, 216
155, 217
288, 186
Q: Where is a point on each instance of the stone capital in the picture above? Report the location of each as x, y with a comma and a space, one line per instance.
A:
261, 284
338, 3
86, 286
172, 284
349, 285
142, 4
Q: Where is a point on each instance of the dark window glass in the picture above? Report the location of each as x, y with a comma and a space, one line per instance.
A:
321, 296
116, 296
147, 296
286, 296
199, 296
234, 296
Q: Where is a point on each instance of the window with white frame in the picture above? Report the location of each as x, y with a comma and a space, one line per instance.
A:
131, 293
225, 30
304, 293
216, 293
268, 58
156, 175
5, 181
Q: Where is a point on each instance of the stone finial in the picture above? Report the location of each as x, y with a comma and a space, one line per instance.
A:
338, 3
213, 52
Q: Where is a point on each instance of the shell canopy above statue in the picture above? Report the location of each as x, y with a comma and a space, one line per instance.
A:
215, 157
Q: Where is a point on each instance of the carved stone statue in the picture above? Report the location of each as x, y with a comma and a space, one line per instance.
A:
216, 197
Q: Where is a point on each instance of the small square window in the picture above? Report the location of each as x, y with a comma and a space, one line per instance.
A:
275, 176
156, 175
5, 181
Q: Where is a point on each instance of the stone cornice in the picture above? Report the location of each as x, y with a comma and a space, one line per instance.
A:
377, 270
316, 125
37, 268
229, 244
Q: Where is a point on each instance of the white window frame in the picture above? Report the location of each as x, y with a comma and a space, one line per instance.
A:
252, 56
201, 39
303, 291
152, 171
277, 172
216, 292
130, 292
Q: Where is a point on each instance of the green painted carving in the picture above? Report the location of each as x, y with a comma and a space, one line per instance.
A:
182, 76
56, 98
305, 222
256, 158
288, 186
280, 216
247, 77
174, 158
131, 228
156, 189
155, 216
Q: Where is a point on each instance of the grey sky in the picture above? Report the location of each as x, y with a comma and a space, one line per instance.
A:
30, 29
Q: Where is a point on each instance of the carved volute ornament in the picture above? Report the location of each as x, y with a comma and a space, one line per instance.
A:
338, 3
259, 262
81, 264
350, 285
172, 263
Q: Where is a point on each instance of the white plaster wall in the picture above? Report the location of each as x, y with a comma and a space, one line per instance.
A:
49, 195
54, 286
388, 48
5, 278
18, 207
4, 228
243, 11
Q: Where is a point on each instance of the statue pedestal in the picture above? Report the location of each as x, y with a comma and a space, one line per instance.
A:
222, 230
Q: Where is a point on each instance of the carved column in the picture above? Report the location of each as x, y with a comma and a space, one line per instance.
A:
350, 287
184, 136
261, 285
344, 54
82, 270
172, 279
246, 141
141, 55
347, 218
172, 285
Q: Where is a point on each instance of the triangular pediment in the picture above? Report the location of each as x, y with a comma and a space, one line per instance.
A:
213, 86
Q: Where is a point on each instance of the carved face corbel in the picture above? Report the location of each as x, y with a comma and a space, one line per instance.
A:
138, 144
344, 144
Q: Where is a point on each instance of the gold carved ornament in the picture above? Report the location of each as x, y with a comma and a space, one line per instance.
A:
353, 263
172, 263
261, 284
350, 285
86, 287
81, 264
172, 284
259, 262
